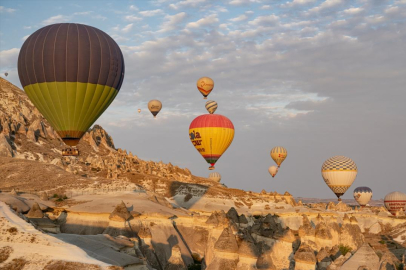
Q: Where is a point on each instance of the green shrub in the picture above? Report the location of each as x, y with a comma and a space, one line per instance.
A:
344, 249
55, 195
382, 242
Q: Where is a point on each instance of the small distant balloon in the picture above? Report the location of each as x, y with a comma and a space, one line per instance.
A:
215, 176
139, 110
395, 201
273, 170
211, 106
205, 86
362, 195
154, 107
6, 74
339, 173
279, 154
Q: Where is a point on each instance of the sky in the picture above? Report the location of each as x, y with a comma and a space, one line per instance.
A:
318, 77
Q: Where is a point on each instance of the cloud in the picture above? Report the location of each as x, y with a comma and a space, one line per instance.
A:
264, 20
298, 3
151, 13
9, 58
82, 13
243, 2
206, 21
326, 5
172, 22
240, 18
132, 18
6, 10
127, 28
24, 37
134, 8
56, 19
265, 7
27, 27
187, 4
353, 11
99, 17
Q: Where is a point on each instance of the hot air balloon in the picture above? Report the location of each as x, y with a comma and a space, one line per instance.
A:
6, 74
71, 73
362, 195
273, 170
154, 106
395, 201
211, 106
211, 135
215, 176
339, 173
278, 154
139, 110
205, 85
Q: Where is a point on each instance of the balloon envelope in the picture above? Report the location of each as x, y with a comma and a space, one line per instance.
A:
71, 73
205, 86
215, 176
6, 74
339, 173
279, 154
395, 201
211, 106
211, 135
362, 195
154, 107
273, 170
139, 110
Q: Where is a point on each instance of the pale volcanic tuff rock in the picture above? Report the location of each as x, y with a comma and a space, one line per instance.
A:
120, 213
176, 262
364, 257
35, 212
5, 147
305, 258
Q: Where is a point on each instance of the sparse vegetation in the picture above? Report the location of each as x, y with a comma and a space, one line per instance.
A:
5, 253
382, 242
12, 230
344, 249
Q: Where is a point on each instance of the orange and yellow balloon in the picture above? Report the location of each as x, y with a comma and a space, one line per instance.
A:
279, 154
211, 135
205, 86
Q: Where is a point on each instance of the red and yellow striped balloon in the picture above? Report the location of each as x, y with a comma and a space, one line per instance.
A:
211, 135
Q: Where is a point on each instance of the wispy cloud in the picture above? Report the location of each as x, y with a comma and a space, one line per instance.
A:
240, 18
209, 20
151, 13
243, 2
172, 22
127, 28
6, 10
187, 3
56, 19
132, 18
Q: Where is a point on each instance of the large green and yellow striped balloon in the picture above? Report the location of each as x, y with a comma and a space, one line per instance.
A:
71, 73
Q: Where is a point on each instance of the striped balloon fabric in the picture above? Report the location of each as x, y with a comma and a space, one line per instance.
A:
278, 154
71, 73
362, 195
215, 176
395, 201
211, 106
339, 173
